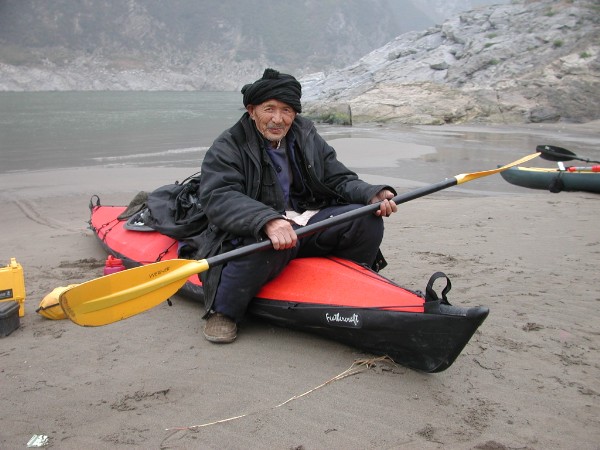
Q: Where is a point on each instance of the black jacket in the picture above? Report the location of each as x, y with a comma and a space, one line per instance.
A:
239, 191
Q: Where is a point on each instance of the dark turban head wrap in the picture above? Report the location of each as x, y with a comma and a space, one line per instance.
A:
274, 85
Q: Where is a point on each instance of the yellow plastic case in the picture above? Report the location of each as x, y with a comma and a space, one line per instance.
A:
12, 285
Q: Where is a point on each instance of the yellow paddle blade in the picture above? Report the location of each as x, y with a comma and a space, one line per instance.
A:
123, 294
464, 177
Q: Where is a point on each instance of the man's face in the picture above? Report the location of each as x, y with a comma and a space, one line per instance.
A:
273, 118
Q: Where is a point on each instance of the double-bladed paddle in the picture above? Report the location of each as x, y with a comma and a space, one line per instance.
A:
123, 294
553, 153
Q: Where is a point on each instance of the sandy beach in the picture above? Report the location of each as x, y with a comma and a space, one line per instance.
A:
529, 378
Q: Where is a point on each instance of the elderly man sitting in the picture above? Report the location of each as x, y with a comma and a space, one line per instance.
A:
262, 179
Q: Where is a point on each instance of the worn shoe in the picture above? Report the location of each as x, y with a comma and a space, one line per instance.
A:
220, 329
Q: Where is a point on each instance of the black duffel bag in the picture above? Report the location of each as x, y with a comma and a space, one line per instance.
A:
175, 210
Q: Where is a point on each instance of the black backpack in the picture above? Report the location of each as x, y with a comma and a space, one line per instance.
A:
175, 209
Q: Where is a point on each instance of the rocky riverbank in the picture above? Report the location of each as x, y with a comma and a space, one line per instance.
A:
523, 62
526, 62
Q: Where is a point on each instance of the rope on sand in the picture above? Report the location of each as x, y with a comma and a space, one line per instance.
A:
358, 366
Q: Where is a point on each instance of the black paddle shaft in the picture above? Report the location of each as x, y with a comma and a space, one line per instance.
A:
331, 221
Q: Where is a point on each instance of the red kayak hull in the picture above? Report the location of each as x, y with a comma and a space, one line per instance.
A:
331, 297
330, 281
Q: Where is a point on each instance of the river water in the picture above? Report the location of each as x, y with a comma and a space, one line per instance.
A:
52, 130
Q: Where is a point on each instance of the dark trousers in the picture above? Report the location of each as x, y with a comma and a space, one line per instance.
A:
241, 279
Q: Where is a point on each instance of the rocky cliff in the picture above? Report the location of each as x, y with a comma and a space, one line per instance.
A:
528, 61
186, 44
194, 44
